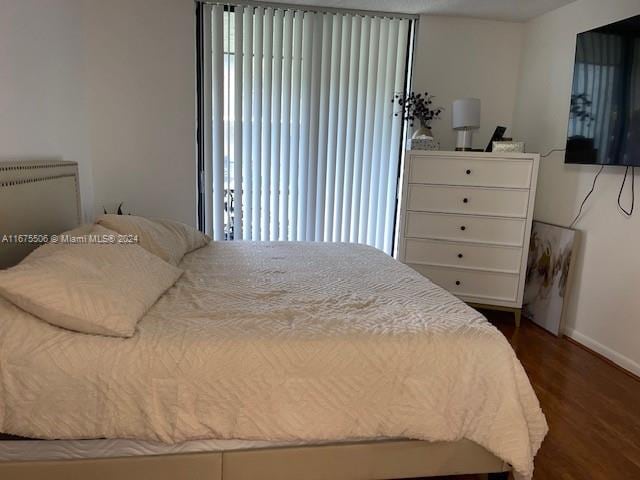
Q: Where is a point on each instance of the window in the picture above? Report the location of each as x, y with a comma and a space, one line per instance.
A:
299, 135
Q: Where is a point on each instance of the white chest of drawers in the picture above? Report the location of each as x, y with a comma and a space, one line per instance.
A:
465, 222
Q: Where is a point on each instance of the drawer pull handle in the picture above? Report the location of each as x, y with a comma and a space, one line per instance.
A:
465, 200
457, 282
463, 228
460, 255
468, 172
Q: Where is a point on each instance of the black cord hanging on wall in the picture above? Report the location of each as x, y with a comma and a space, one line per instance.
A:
586, 197
628, 212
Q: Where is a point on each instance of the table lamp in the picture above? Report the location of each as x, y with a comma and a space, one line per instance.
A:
465, 118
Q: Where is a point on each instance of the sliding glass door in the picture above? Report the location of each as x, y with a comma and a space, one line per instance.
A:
298, 134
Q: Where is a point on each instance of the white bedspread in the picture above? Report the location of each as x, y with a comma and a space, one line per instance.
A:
280, 342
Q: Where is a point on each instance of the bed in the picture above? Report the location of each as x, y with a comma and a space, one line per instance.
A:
264, 360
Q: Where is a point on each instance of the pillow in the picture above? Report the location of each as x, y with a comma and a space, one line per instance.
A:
99, 288
47, 248
165, 238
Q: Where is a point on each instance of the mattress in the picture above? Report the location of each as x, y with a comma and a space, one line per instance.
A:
282, 342
38, 450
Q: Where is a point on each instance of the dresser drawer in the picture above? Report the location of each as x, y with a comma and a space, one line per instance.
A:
469, 200
472, 283
473, 171
465, 255
466, 228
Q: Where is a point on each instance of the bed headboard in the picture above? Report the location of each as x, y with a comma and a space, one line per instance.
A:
36, 197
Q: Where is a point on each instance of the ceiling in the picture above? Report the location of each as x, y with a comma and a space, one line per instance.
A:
513, 10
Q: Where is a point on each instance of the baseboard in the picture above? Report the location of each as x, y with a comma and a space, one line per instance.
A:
611, 355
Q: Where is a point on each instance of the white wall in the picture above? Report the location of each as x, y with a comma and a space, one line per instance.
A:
42, 89
111, 85
141, 103
604, 302
458, 57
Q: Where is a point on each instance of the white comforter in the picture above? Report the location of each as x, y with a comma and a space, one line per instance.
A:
278, 341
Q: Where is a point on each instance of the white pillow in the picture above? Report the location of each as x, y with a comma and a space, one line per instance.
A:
49, 248
168, 239
99, 288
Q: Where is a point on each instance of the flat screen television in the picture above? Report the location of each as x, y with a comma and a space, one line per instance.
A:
604, 114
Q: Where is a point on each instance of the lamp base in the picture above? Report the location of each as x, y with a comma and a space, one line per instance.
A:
465, 140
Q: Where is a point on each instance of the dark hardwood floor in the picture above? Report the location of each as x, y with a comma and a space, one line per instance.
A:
592, 407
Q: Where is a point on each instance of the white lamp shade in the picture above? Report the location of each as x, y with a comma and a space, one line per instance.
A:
466, 113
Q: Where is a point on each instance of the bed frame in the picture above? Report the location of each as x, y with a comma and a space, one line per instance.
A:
42, 197
36, 197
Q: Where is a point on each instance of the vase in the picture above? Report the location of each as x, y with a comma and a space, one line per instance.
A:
422, 139
422, 132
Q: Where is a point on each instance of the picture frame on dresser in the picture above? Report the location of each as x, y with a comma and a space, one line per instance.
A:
465, 223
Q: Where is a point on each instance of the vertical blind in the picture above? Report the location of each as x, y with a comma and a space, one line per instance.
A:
304, 141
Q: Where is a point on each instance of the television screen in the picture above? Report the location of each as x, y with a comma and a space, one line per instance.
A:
604, 115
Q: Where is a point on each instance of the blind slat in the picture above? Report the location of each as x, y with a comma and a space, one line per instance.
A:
256, 184
276, 122
217, 87
387, 116
238, 125
314, 112
267, 126
352, 96
342, 126
323, 125
285, 137
296, 80
334, 91
360, 127
247, 122
305, 120
369, 130
378, 133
